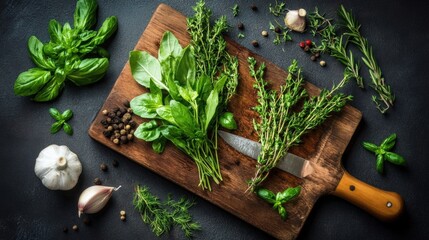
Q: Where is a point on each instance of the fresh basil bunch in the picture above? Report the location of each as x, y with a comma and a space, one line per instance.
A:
182, 106
277, 200
72, 53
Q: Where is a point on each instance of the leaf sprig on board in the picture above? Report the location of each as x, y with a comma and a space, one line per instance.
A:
163, 215
385, 97
279, 125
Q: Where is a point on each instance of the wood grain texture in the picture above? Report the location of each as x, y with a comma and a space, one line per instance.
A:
323, 147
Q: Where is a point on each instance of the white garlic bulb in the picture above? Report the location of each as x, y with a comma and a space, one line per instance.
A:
58, 167
295, 20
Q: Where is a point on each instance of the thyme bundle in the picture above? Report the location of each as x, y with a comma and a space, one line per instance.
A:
280, 127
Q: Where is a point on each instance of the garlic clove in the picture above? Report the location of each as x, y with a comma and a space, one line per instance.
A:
295, 20
94, 198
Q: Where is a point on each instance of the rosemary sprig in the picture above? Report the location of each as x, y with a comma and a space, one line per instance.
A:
385, 97
280, 127
277, 9
334, 45
163, 215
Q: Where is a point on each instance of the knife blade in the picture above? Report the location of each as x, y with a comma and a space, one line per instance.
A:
290, 163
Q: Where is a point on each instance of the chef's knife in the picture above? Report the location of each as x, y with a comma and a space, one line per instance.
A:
382, 204
291, 163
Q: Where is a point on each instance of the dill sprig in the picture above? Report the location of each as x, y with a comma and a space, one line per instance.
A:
334, 45
277, 9
279, 125
385, 97
163, 215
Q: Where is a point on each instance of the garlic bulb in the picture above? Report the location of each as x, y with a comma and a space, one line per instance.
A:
58, 167
295, 20
94, 198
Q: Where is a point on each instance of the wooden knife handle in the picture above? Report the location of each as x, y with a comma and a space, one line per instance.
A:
382, 204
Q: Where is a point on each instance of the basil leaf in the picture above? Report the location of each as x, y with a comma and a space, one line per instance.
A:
380, 163
394, 158
158, 145
110, 25
185, 69
31, 81
211, 107
220, 83
89, 70
52, 89
52, 49
148, 131
282, 212
85, 14
203, 86
169, 47
55, 114
289, 193
35, 48
227, 121
67, 114
56, 126
266, 194
146, 105
370, 146
68, 129
67, 34
183, 117
188, 94
55, 31
145, 67
165, 113
87, 35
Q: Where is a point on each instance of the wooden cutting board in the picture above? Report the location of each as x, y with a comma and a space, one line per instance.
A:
324, 146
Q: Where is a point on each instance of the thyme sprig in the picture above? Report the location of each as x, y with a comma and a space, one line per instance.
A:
163, 215
279, 125
385, 97
277, 9
281, 33
334, 45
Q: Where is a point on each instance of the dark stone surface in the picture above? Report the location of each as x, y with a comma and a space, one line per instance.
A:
396, 29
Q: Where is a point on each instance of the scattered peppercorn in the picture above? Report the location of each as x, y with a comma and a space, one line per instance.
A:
122, 213
264, 33
86, 221
317, 54
65, 229
75, 227
103, 167
115, 163
123, 218
306, 48
313, 58
97, 181
308, 43
254, 7
302, 44
118, 123
322, 63
255, 43
240, 26
277, 30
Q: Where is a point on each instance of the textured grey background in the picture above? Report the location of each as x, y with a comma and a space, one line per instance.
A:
396, 29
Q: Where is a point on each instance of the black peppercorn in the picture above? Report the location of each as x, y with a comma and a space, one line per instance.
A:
133, 124
115, 109
103, 167
240, 26
97, 181
130, 137
104, 122
121, 125
115, 163
119, 113
306, 48
126, 103
115, 126
65, 229
313, 58
111, 114
317, 54
123, 110
86, 221
254, 7
277, 30
107, 133
255, 43
124, 139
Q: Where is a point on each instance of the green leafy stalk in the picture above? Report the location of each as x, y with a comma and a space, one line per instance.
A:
277, 9
161, 216
277, 200
61, 121
72, 53
385, 97
280, 127
334, 45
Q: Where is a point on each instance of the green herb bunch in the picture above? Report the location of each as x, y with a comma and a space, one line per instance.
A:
61, 121
383, 152
162, 216
280, 125
277, 200
72, 53
385, 97
334, 45
188, 91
